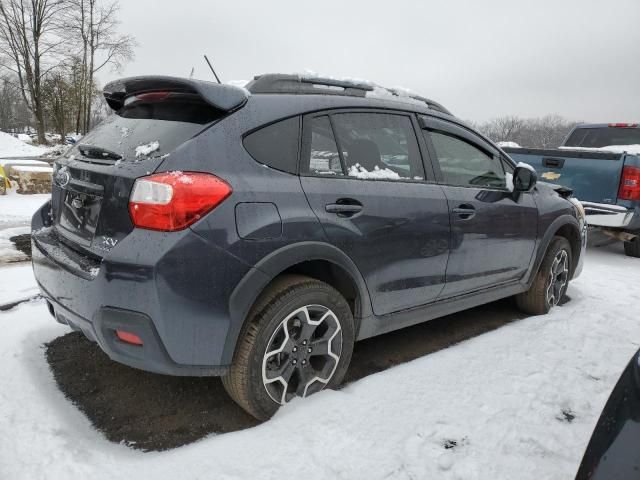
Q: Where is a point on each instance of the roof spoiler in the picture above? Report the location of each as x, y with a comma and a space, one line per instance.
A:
223, 97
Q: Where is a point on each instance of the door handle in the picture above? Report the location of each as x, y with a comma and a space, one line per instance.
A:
344, 207
464, 211
553, 162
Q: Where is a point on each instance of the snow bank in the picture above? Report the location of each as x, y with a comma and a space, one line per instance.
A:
378, 173
33, 168
12, 147
492, 407
4, 162
633, 149
17, 210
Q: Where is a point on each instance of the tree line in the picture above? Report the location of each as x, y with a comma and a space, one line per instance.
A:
544, 132
51, 52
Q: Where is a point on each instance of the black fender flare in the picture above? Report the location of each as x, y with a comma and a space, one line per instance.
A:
545, 241
260, 276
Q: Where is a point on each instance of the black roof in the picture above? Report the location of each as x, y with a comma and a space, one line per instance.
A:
312, 85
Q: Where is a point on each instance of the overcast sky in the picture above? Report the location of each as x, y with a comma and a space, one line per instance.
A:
481, 59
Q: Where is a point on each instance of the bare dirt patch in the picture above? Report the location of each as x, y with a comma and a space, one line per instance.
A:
156, 412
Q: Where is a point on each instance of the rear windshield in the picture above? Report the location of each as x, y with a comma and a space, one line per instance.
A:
603, 137
145, 128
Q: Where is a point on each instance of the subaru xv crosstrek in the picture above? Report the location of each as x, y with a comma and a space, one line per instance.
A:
256, 233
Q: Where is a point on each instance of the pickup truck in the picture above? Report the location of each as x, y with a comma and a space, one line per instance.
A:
600, 163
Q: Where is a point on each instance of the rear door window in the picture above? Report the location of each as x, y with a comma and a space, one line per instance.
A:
276, 145
378, 146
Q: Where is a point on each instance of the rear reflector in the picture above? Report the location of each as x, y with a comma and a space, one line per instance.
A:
172, 201
623, 125
128, 337
629, 184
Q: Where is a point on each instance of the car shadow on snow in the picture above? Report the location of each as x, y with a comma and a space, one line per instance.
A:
155, 412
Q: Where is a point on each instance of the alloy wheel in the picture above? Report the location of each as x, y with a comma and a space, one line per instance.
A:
302, 353
558, 278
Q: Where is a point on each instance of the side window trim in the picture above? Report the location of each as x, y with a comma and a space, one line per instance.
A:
305, 144
450, 128
431, 124
343, 162
427, 153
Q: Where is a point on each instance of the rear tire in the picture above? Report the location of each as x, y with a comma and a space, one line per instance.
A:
551, 281
632, 248
281, 351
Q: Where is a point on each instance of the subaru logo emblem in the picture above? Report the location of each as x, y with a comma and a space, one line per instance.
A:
63, 177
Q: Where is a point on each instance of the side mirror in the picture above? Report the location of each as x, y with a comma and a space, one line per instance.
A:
524, 178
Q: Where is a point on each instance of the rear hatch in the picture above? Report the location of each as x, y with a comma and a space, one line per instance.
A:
152, 117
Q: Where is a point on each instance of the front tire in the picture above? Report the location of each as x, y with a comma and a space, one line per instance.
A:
551, 281
632, 248
297, 341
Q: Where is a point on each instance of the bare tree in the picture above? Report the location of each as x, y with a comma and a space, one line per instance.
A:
9, 97
56, 92
502, 129
545, 132
94, 26
28, 42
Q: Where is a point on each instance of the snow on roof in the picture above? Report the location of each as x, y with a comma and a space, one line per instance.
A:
508, 145
633, 149
12, 147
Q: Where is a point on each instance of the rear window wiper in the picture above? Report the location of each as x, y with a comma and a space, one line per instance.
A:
98, 153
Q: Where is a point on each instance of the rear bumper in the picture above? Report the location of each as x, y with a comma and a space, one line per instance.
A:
152, 356
612, 216
172, 290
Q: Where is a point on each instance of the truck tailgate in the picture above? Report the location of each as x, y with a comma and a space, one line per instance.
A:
593, 176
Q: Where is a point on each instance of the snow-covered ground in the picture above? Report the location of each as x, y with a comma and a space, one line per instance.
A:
502, 398
17, 283
13, 147
15, 217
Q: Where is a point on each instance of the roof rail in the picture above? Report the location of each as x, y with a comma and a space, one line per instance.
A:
302, 84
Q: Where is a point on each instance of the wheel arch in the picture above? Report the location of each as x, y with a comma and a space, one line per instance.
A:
564, 226
314, 259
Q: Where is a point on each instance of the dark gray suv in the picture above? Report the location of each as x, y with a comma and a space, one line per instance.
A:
256, 234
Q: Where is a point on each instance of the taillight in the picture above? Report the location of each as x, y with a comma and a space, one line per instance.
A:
630, 184
172, 201
623, 125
